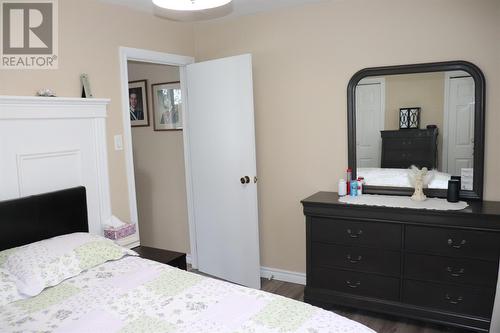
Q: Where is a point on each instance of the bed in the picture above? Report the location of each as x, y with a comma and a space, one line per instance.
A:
125, 293
399, 177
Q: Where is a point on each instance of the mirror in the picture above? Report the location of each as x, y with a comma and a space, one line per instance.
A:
427, 115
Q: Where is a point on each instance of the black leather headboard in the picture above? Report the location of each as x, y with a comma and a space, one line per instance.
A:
30, 219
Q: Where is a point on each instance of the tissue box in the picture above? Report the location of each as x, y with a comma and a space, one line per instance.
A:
119, 233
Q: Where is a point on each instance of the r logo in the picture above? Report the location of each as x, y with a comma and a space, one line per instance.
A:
27, 28
29, 34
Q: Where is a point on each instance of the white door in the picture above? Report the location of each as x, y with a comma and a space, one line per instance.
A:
460, 124
369, 122
222, 151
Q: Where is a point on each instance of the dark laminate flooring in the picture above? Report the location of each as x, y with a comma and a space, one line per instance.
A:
379, 323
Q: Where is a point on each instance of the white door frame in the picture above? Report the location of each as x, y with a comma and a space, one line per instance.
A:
132, 54
447, 77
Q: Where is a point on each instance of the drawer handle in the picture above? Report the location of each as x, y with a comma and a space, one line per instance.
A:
354, 234
353, 285
354, 261
455, 273
451, 243
452, 300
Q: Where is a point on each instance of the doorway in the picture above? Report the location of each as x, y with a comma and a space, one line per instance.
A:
155, 103
218, 139
140, 56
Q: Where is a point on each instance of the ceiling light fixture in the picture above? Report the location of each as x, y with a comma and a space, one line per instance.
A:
190, 5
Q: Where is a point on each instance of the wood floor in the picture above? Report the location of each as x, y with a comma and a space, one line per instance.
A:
379, 323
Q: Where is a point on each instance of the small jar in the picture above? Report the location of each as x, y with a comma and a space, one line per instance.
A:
453, 194
342, 187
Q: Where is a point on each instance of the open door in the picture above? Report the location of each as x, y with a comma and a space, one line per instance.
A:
223, 168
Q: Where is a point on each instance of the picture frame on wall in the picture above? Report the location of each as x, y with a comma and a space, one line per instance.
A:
167, 106
138, 103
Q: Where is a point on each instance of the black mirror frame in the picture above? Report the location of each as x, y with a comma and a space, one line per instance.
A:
479, 122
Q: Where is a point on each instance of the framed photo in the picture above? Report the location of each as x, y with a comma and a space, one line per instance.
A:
138, 103
167, 106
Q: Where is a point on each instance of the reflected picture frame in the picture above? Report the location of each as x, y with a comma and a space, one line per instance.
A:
167, 106
409, 118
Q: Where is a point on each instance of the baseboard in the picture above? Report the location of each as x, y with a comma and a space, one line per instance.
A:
274, 273
282, 275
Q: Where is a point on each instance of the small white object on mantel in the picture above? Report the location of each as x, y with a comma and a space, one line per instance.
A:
46, 92
403, 202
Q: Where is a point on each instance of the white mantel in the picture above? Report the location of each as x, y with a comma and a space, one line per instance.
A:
26, 107
51, 143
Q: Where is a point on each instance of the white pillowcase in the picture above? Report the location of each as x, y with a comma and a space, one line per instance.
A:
46, 263
8, 288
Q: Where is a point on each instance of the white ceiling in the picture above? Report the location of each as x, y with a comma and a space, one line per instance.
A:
237, 8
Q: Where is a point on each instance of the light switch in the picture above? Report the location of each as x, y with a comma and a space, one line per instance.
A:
118, 142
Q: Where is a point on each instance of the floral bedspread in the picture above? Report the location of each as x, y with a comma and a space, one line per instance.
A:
136, 295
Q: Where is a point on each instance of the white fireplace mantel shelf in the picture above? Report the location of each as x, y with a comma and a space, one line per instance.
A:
28, 107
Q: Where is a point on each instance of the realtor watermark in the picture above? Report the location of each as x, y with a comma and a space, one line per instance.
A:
29, 34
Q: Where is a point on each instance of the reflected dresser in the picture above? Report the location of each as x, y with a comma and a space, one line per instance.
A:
435, 266
403, 148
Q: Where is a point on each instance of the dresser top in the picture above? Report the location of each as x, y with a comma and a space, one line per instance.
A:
475, 208
410, 132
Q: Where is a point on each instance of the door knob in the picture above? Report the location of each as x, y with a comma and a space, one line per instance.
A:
245, 180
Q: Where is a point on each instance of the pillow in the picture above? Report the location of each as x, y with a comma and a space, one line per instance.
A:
47, 263
8, 288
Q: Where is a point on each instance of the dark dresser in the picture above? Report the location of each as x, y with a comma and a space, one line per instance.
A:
403, 148
436, 266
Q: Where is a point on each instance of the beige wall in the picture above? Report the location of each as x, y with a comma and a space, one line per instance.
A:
422, 90
90, 34
303, 59
159, 172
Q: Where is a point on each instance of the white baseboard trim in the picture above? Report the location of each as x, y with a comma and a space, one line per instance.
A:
275, 274
282, 275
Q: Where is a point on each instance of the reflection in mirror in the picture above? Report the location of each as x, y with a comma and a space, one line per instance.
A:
424, 119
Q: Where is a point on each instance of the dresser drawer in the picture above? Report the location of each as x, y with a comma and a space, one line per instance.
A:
349, 282
356, 258
451, 270
453, 242
467, 300
354, 233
